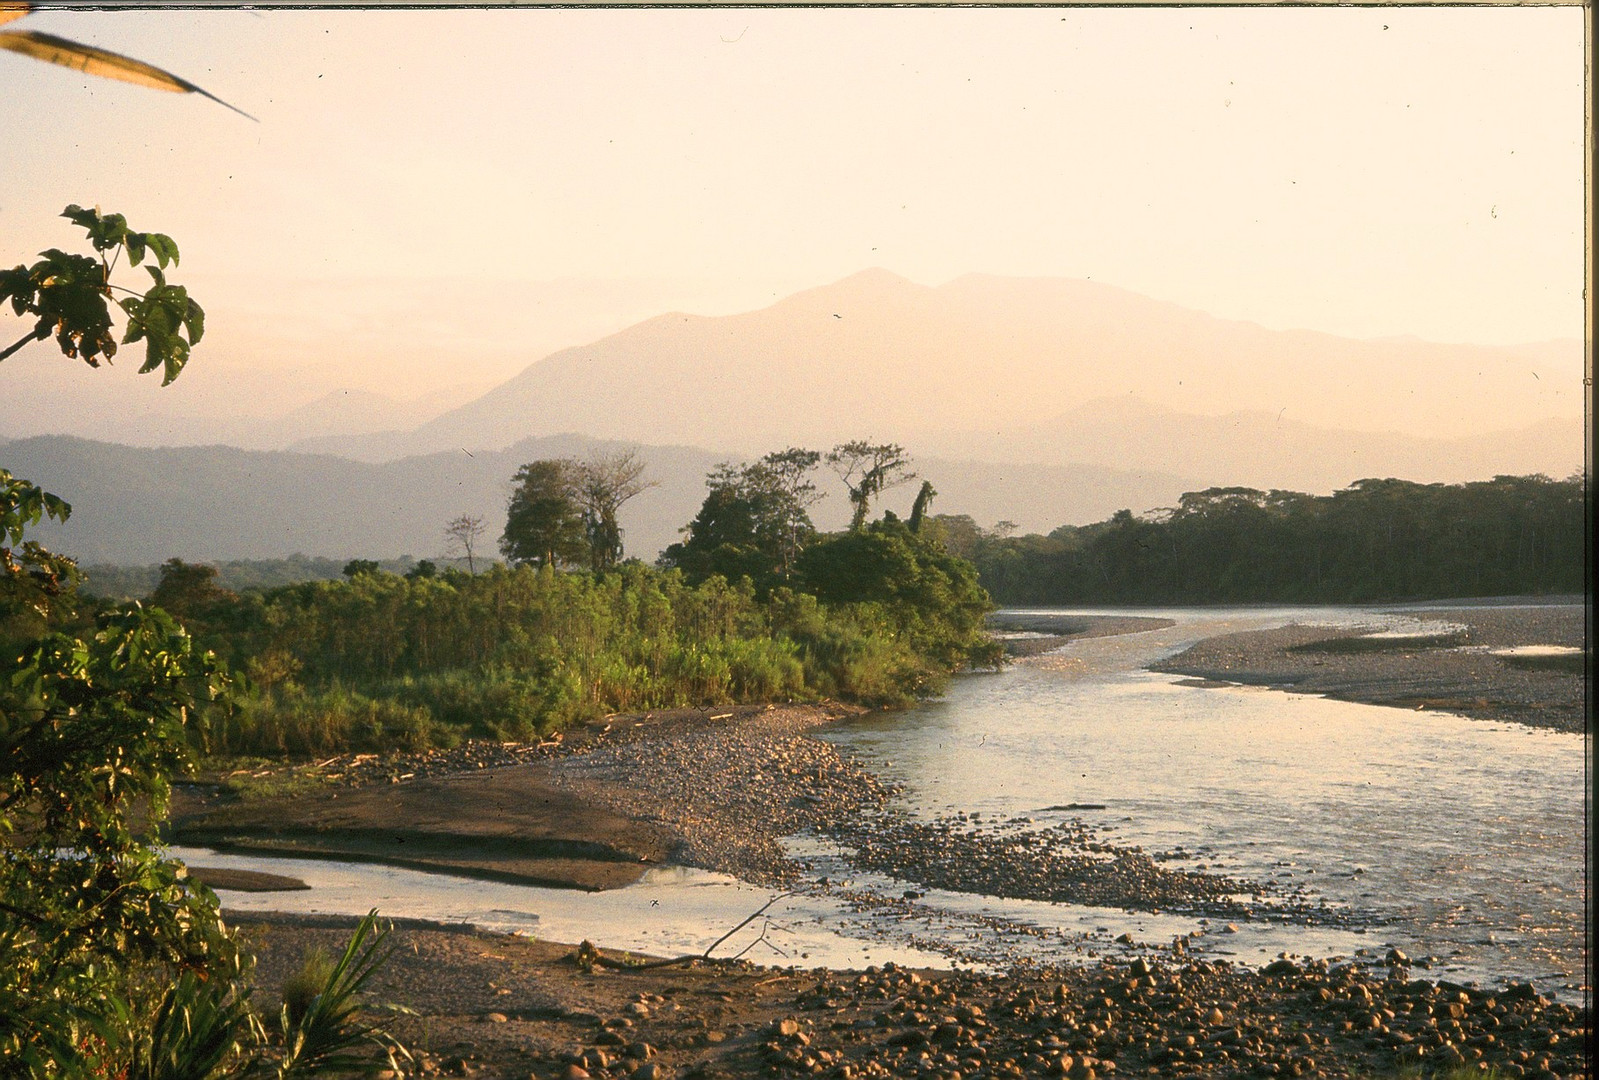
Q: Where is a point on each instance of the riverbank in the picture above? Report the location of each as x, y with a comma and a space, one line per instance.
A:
717, 789
1031, 633
1460, 670
494, 1006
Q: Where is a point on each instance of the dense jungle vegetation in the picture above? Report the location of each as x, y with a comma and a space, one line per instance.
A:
1373, 541
381, 660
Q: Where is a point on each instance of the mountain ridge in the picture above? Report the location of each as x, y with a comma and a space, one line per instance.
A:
876, 350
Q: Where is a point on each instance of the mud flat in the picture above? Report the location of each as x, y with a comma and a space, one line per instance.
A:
495, 1006
1463, 666
716, 789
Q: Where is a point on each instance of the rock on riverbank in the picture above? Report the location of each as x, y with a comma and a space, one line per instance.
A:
494, 1007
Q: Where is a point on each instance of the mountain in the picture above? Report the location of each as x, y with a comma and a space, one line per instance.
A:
1261, 450
881, 357
137, 505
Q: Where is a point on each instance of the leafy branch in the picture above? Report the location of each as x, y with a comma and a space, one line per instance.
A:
70, 297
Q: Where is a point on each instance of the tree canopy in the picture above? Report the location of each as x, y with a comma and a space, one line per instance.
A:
563, 512
754, 522
543, 522
1378, 539
868, 470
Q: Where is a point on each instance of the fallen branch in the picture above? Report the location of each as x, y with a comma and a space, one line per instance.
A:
589, 953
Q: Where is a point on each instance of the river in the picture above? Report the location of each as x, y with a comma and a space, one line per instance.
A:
1458, 841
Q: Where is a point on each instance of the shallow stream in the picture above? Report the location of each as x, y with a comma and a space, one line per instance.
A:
1462, 840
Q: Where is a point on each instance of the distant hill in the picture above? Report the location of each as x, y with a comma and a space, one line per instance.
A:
1257, 449
876, 353
138, 506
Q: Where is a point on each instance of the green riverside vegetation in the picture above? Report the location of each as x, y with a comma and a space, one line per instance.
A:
113, 962
384, 661
1375, 540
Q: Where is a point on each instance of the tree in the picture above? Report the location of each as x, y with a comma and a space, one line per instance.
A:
461, 537
754, 521
188, 589
927, 594
924, 500
868, 469
543, 521
91, 727
783, 479
112, 961
602, 484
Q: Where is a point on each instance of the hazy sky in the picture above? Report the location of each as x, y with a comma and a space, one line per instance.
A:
438, 198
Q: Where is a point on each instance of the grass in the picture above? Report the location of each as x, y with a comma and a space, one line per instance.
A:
306, 982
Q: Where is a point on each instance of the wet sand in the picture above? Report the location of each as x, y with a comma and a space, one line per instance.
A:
711, 788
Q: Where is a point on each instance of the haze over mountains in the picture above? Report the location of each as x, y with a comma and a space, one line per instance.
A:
1041, 401
878, 353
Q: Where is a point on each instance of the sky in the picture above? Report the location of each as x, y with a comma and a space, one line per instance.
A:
433, 200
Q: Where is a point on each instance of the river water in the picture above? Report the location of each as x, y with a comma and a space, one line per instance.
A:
1458, 841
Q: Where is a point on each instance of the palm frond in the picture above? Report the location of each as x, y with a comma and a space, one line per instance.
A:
94, 61
331, 1035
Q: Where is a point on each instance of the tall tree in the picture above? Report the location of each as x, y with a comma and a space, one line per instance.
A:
924, 499
754, 522
188, 590
461, 538
544, 521
783, 481
602, 484
868, 469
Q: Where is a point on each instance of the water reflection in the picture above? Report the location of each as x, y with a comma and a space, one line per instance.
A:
1465, 836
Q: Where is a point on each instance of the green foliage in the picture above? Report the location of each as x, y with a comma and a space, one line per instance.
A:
564, 512
381, 661
1375, 540
188, 590
868, 470
238, 575
305, 983
544, 524
90, 730
35, 585
69, 296
201, 1029
113, 962
332, 1035
754, 522
927, 595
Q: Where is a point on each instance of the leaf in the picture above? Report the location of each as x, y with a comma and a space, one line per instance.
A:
101, 62
165, 248
134, 242
80, 217
194, 323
